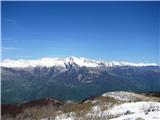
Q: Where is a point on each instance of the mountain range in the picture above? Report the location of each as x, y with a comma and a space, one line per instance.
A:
62, 62
73, 78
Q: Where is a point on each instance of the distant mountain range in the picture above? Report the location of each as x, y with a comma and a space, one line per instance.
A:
63, 62
73, 78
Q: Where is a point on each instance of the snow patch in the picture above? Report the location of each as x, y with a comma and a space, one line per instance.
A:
128, 111
66, 116
139, 107
150, 116
121, 95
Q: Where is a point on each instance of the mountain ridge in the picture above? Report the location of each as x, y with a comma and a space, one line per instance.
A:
62, 62
55, 109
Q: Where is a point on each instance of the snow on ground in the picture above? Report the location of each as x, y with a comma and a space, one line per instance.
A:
123, 96
128, 111
95, 111
67, 116
150, 116
118, 95
125, 111
131, 111
134, 107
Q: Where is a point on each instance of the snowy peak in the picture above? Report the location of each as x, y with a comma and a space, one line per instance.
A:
62, 62
49, 62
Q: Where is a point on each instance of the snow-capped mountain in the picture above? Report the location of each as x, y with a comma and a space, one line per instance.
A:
73, 78
62, 62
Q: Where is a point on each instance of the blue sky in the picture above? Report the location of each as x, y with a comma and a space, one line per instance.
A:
121, 31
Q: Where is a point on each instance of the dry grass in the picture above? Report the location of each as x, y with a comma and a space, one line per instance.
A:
139, 118
79, 109
39, 112
34, 113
